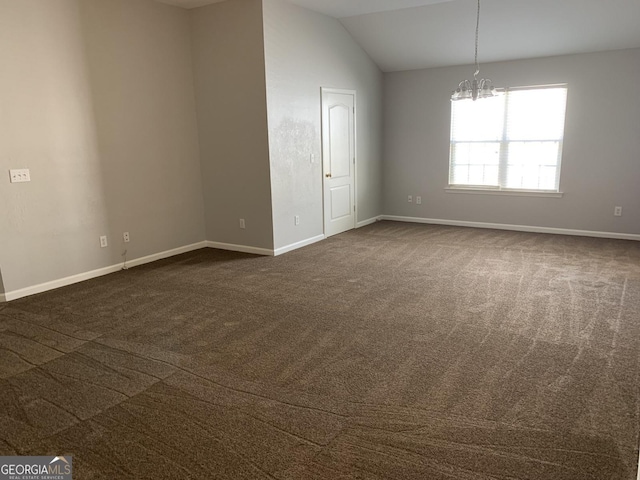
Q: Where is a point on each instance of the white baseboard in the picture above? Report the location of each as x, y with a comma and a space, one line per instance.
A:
517, 228
240, 248
300, 244
81, 277
364, 223
166, 254
63, 282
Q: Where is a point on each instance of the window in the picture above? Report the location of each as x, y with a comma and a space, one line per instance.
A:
509, 142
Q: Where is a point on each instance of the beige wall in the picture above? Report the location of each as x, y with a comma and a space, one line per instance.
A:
228, 52
600, 163
98, 102
137, 116
304, 52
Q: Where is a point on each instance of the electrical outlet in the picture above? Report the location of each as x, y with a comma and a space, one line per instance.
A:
20, 175
418, 200
242, 224
125, 237
296, 220
410, 199
617, 211
312, 159
103, 241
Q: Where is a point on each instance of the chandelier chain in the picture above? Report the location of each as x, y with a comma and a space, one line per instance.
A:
477, 38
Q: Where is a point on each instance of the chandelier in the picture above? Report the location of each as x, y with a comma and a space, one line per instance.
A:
476, 88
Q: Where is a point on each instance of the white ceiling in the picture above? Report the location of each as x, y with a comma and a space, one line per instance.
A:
351, 8
333, 8
412, 34
190, 3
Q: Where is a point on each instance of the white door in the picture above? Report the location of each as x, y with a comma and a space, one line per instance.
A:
338, 160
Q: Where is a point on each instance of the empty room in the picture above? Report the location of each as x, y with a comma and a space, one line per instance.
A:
320, 239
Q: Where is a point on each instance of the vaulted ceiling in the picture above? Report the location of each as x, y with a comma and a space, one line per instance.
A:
412, 34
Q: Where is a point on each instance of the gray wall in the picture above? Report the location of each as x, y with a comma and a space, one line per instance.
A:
601, 159
305, 51
228, 53
98, 101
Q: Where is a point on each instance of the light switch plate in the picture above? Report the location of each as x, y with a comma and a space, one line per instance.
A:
20, 175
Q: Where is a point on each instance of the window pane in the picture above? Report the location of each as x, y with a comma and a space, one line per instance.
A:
548, 178
475, 164
530, 178
536, 114
537, 153
532, 165
477, 121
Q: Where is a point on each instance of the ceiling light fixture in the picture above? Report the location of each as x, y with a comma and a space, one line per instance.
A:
477, 88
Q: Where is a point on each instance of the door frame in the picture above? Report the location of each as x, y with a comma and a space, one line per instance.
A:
344, 91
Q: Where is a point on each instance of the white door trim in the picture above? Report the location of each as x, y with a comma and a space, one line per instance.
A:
345, 91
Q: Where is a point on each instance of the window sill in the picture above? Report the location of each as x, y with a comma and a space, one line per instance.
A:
516, 193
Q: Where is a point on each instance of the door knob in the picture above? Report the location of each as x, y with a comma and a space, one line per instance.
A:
328, 175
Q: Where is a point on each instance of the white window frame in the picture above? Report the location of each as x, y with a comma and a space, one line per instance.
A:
503, 158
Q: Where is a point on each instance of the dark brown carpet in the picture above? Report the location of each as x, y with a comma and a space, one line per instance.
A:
396, 351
